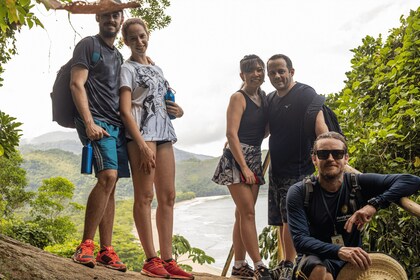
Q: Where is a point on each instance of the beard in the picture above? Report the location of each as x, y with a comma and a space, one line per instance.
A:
331, 175
109, 34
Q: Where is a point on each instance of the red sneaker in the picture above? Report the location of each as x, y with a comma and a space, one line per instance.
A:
84, 254
154, 268
175, 271
108, 258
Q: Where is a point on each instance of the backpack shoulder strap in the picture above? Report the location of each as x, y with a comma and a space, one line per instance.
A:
355, 194
309, 188
96, 54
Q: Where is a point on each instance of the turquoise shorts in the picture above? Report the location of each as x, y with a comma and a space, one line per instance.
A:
110, 152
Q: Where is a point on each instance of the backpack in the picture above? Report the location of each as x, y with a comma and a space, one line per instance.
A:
331, 119
63, 108
355, 201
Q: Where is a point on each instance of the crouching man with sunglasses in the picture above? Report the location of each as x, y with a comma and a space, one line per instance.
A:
326, 230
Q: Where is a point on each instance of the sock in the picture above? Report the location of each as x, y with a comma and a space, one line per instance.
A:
288, 264
258, 264
239, 264
149, 259
168, 260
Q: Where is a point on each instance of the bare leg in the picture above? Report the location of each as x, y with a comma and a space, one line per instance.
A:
238, 245
143, 196
289, 248
165, 193
107, 223
97, 203
245, 198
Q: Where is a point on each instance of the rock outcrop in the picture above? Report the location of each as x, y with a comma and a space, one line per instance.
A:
23, 261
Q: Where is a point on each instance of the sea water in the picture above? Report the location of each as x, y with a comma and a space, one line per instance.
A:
207, 223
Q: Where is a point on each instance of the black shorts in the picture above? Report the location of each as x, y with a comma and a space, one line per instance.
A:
307, 263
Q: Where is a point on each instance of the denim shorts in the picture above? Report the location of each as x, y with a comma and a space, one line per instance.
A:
110, 152
277, 192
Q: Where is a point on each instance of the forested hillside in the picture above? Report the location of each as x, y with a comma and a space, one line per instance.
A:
46, 157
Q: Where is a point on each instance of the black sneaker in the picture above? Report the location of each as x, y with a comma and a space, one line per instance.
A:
244, 272
262, 273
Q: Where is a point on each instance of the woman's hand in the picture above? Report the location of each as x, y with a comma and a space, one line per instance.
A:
174, 109
147, 159
248, 176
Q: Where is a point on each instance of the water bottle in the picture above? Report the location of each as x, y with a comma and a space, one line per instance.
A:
170, 95
87, 155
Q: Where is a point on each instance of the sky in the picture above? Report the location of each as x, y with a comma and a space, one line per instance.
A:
199, 53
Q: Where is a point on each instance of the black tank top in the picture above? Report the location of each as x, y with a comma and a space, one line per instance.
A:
252, 127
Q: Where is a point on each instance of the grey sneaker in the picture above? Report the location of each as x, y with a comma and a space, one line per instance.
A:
262, 273
276, 272
244, 272
286, 273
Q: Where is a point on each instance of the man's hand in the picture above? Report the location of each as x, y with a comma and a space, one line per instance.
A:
174, 109
356, 256
95, 132
360, 218
147, 159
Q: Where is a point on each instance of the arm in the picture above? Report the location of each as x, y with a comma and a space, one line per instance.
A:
147, 157
235, 110
320, 125
384, 189
78, 79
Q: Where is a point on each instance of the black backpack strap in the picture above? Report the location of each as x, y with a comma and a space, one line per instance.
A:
355, 194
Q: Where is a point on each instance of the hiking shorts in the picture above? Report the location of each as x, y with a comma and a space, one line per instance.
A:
110, 152
307, 263
277, 192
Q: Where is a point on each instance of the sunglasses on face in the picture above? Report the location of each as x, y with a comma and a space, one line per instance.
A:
325, 154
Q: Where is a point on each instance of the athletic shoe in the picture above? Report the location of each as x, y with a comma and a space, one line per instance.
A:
277, 271
108, 258
262, 273
286, 273
154, 268
84, 254
244, 272
175, 271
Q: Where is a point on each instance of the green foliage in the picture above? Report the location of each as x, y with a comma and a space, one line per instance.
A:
181, 246
397, 237
12, 185
153, 12
379, 111
268, 241
9, 133
28, 232
13, 15
65, 249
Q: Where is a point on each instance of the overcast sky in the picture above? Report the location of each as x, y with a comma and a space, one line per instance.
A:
199, 53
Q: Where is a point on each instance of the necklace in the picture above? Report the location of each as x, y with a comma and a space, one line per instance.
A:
255, 97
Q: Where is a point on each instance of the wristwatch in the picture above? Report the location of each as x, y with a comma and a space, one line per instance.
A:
375, 203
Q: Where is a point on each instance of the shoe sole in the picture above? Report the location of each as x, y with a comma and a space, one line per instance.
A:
112, 267
181, 277
147, 273
90, 264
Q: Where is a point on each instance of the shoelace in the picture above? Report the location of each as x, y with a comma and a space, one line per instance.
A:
157, 262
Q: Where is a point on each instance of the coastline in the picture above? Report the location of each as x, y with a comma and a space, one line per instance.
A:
205, 268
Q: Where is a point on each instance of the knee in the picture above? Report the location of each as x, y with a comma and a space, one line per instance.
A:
167, 199
248, 214
107, 181
143, 199
318, 273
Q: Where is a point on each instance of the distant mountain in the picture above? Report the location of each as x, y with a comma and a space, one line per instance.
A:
69, 142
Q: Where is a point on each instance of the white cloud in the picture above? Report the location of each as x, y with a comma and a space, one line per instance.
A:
200, 51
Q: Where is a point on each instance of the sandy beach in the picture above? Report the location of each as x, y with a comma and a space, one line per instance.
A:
205, 268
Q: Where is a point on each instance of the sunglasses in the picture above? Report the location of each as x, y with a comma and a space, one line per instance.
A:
325, 154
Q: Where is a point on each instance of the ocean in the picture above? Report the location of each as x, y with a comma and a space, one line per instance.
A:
207, 223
